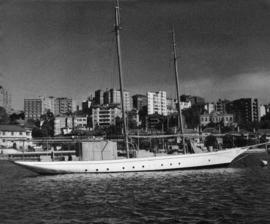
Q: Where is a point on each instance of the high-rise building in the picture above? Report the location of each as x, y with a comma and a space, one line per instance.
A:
98, 100
106, 97
139, 101
245, 110
86, 106
113, 96
48, 104
62, 106
5, 99
32, 108
157, 103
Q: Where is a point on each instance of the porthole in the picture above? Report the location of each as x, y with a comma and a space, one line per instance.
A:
85, 170
142, 166
107, 168
133, 167
161, 164
123, 168
179, 164
97, 170
170, 164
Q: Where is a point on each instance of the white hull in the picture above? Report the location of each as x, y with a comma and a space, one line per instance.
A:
159, 163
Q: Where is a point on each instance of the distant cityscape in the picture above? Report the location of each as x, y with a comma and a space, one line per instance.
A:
153, 111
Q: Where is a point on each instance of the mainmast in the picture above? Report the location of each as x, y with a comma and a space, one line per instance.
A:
117, 33
180, 124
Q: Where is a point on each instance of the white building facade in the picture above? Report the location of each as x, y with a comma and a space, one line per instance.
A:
105, 116
48, 104
157, 103
215, 117
14, 136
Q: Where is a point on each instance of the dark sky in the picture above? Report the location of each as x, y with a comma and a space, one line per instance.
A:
67, 48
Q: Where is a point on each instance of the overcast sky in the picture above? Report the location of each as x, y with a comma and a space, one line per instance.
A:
67, 47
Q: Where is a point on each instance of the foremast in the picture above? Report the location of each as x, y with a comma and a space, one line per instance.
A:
118, 46
180, 121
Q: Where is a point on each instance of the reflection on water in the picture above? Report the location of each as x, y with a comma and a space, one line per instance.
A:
232, 195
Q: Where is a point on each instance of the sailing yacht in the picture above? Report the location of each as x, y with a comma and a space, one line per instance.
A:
114, 164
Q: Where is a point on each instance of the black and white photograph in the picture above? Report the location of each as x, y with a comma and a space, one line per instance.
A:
134, 111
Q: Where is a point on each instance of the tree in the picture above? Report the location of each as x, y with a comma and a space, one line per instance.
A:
192, 115
37, 133
47, 124
14, 117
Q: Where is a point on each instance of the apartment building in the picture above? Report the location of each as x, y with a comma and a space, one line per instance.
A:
157, 103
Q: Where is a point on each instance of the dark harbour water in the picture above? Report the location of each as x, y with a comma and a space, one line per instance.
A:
240, 194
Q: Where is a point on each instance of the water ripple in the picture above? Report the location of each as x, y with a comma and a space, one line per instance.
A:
202, 196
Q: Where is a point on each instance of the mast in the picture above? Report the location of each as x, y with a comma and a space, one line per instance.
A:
180, 123
117, 33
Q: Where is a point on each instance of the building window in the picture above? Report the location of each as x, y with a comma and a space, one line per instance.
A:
12, 133
4, 133
20, 133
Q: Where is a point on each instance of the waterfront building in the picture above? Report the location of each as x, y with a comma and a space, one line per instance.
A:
139, 101
216, 117
245, 110
32, 108
157, 103
15, 136
105, 116
63, 106
5, 99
